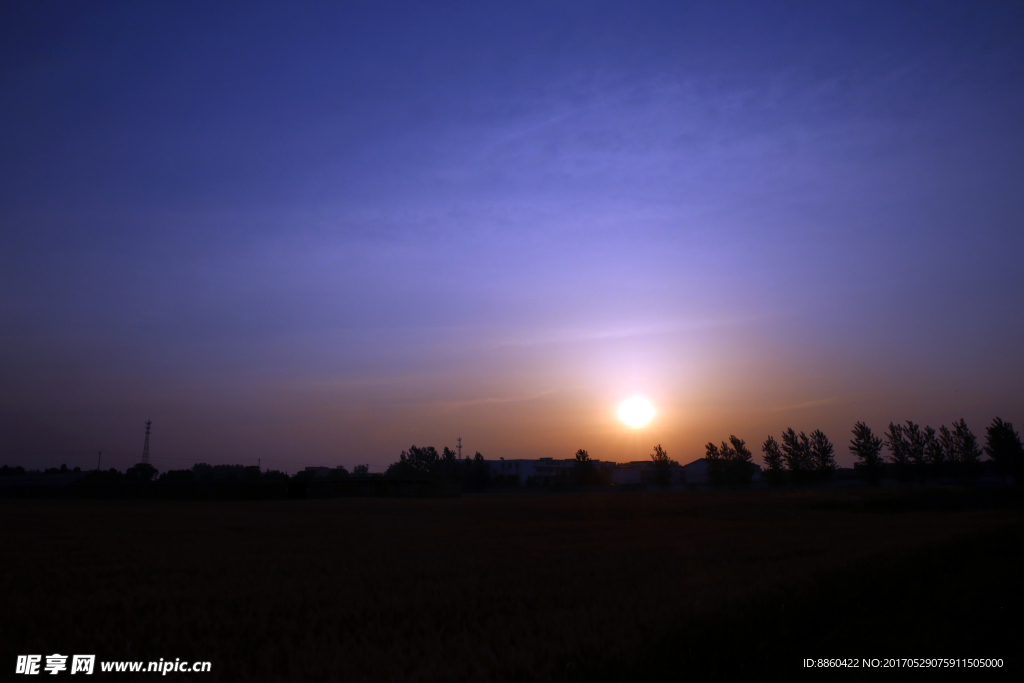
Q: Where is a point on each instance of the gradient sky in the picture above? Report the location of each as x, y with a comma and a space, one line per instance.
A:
318, 234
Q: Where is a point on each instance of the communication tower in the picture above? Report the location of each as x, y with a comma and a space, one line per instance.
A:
458, 446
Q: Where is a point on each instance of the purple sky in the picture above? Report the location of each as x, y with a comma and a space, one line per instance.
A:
317, 235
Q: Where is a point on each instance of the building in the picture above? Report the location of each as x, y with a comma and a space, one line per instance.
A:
696, 472
644, 472
538, 469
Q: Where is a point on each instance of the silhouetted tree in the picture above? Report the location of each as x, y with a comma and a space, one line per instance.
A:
101, 478
361, 471
7, 471
274, 475
448, 465
899, 451
416, 462
178, 476
867, 448
584, 472
774, 465
731, 463
934, 453
1003, 445
662, 466
143, 471
796, 452
916, 443
965, 449
480, 477
741, 462
948, 442
205, 472
716, 462
822, 455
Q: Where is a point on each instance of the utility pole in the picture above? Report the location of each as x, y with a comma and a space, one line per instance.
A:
145, 447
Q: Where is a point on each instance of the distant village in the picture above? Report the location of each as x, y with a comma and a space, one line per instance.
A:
915, 454
528, 472
542, 473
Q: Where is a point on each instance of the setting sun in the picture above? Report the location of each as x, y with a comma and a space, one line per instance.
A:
636, 411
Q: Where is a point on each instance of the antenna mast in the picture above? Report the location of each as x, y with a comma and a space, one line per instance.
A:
145, 447
458, 445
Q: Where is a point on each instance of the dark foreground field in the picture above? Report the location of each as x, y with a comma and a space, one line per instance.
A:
695, 586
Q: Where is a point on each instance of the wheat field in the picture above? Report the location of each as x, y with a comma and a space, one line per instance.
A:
487, 587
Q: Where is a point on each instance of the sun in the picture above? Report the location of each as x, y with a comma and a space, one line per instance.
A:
636, 411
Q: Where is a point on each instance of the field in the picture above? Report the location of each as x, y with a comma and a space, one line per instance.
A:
718, 585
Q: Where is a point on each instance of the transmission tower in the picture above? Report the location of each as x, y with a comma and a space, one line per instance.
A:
145, 447
458, 446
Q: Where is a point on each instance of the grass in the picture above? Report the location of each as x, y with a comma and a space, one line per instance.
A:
502, 587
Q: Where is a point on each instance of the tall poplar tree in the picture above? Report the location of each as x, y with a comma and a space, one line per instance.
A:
823, 455
796, 452
867, 449
1003, 445
774, 465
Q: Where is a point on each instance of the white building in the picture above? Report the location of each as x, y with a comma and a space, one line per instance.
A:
537, 469
696, 471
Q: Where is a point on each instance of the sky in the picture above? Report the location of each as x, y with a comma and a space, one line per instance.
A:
317, 233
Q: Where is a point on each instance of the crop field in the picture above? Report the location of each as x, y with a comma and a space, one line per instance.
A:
511, 587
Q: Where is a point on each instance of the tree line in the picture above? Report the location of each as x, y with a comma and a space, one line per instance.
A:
914, 452
925, 453
474, 474
799, 457
426, 463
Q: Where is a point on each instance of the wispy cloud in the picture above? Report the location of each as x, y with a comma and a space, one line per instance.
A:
571, 336
488, 401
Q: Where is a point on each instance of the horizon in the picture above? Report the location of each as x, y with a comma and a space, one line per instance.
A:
317, 235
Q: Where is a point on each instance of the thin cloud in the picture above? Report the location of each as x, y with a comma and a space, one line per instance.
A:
488, 401
573, 336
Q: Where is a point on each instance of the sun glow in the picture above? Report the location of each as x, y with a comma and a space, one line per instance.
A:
636, 411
